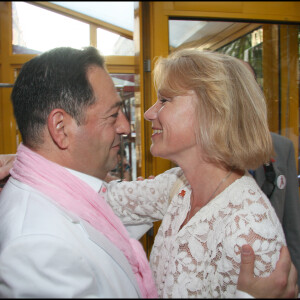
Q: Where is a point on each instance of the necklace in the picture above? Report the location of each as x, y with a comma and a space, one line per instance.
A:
211, 196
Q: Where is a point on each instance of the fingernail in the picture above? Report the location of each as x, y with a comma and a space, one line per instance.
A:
246, 250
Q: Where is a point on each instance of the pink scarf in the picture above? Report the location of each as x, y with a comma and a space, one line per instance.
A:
78, 197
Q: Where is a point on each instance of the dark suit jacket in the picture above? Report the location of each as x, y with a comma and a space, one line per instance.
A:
286, 201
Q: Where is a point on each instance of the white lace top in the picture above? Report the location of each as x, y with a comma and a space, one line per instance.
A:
202, 259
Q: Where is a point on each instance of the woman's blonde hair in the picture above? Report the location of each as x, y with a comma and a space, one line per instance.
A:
232, 126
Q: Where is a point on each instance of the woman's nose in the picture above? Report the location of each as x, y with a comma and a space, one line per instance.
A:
151, 113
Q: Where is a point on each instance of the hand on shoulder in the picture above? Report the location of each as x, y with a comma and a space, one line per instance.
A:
6, 163
282, 283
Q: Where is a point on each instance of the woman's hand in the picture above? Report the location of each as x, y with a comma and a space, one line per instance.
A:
6, 162
141, 178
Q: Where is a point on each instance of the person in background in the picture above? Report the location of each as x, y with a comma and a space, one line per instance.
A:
122, 171
280, 283
279, 181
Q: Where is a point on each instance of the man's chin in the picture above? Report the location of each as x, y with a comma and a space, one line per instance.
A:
112, 163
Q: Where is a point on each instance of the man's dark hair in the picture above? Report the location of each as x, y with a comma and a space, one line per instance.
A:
54, 79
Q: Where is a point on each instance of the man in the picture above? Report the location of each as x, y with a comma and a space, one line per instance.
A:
54, 241
58, 237
279, 181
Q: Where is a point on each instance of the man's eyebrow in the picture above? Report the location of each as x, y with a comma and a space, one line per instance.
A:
117, 104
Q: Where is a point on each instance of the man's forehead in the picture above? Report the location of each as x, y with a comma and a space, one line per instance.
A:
103, 87
113, 101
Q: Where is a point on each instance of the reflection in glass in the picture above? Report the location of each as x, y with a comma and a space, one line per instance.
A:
248, 48
124, 84
36, 30
205, 34
184, 31
110, 43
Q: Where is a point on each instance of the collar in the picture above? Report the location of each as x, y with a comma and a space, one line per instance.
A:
93, 182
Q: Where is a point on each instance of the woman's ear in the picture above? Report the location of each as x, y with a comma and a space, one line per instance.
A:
58, 125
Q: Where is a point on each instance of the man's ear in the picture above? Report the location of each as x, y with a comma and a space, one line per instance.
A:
59, 124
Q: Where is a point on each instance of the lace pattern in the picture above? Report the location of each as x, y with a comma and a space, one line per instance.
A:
137, 202
202, 259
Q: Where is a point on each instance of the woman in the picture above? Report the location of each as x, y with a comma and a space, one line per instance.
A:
210, 119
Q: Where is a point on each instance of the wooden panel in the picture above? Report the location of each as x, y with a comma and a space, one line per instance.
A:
142, 81
126, 69
18, 58
120, 64
159, 47
209, 6
255, 10
8, 124
271, 73
284, 10
289, 88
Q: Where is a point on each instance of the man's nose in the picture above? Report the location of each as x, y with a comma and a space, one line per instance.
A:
123, 126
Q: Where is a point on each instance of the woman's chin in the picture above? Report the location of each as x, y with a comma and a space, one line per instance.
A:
157, 153
154, 151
